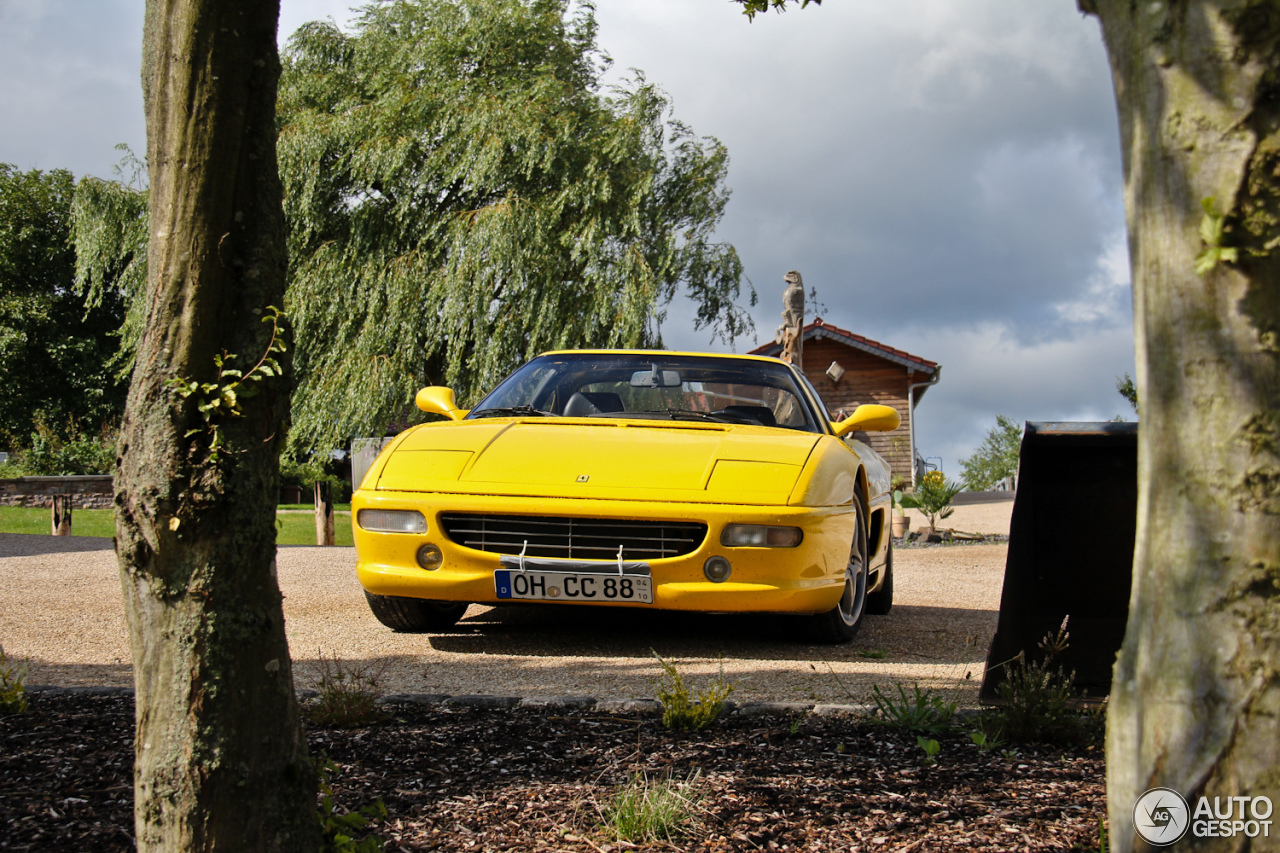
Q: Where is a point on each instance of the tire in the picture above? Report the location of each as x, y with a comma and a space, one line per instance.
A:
415, 615
840, 624
880, 602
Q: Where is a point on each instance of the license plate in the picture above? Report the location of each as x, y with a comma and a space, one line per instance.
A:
575, 586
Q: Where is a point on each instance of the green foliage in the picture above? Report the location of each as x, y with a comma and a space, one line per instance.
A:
348, 694
931, 748
1128, 389
921, 711
1038, 702
48, 454
1212, 232
646, 810
751, 8
338, 827
312, 470
220, 399
13, 689
933, 496
462, 195
682, 711
54, 346
110, 232
985, 736
996, 459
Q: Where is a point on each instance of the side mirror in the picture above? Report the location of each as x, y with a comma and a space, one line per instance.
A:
871, 418
439, 401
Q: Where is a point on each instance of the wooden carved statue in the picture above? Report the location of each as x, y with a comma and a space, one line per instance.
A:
791, 333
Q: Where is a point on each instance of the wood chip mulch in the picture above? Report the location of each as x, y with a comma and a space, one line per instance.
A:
536, 779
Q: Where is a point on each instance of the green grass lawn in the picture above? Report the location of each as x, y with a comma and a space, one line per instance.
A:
293, 528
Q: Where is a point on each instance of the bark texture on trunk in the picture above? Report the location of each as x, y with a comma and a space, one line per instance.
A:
326, 534
1195, 704
221, 758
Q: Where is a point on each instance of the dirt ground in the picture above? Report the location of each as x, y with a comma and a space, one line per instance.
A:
529, 778
62, 614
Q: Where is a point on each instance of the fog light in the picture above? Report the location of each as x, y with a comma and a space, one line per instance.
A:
430, 558
760, 536
392, 520
717, 569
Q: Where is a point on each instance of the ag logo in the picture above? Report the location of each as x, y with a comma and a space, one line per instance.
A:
1161, 816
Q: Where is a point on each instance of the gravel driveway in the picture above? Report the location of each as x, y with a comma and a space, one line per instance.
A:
62, 613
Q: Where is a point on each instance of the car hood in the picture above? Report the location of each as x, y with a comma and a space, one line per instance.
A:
597, 459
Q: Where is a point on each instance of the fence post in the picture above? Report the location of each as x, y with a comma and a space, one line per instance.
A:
61, 515
324, 515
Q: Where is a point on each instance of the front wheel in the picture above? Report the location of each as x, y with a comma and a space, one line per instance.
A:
415, 615
840, 624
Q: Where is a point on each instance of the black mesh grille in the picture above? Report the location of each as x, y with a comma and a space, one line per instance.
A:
574, 538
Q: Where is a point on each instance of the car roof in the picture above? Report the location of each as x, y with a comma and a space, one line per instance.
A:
649, 352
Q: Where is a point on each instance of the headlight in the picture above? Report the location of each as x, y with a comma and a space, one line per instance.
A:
392, 520
760, 536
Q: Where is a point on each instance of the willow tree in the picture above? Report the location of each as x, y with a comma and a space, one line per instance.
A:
461, 194
221, 761
1195, 699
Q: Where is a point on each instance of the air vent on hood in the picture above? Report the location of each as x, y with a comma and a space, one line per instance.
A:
576, 538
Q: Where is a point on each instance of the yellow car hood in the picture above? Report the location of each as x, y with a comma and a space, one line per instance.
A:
597, 459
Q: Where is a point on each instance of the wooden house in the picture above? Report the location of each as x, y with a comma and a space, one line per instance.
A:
848, 370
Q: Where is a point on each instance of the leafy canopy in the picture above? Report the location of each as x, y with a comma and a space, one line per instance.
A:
996, 459
462, 196
53, 346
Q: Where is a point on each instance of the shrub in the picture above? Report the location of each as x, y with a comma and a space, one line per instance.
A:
680, 710
13, 689
923, 711
645, 810
1039, 702
339, 827
933, 496
348, 694
51, 455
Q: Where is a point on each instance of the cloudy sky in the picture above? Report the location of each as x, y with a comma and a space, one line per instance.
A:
946, 173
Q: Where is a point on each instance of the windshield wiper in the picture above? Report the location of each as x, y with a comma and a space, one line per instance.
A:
512, 411
685, 415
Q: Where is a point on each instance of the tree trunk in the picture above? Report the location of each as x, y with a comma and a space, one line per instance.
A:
325, 533
221, 758
1195, 704
61, 515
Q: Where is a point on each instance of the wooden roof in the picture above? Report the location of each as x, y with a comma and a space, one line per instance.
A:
818, 330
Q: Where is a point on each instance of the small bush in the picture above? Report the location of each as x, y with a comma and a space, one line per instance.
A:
13, 689
348, 695
339, 827
1039, 702
645, 810
933, 496
923, 711
50, 454
683, 712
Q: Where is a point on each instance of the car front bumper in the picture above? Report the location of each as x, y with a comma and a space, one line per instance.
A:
807, 578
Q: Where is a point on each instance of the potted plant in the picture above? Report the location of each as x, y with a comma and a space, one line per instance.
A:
933, 496
900, 520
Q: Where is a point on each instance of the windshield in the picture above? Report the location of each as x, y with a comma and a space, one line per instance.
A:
653, 385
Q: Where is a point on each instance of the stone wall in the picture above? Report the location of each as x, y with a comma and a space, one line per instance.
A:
93, 492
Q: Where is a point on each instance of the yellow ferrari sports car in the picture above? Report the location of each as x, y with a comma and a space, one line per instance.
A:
651, 479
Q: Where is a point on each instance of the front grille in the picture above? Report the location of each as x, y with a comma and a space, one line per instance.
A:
574, 538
